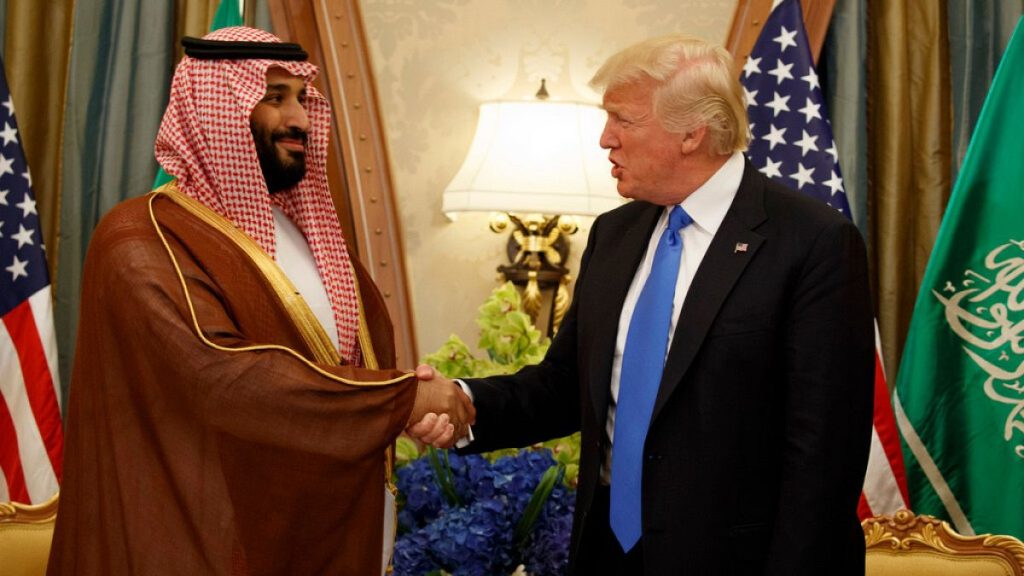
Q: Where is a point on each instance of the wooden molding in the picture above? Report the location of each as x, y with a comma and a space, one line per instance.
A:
358, 170
749, 18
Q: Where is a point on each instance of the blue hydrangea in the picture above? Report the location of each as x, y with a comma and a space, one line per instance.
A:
421, 495
475, 538
547, 550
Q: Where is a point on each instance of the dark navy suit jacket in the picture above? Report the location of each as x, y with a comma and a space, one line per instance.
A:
759, 440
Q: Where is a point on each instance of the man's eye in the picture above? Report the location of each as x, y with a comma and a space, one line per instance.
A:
272, 98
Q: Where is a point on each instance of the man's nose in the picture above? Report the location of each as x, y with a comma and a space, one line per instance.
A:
295, 116
608, 138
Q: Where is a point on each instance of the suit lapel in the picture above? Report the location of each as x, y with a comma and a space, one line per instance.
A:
721, 268
613, 273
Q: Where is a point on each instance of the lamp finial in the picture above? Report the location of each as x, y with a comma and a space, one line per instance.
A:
542, 93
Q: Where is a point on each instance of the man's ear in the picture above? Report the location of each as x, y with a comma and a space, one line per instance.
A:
692, 139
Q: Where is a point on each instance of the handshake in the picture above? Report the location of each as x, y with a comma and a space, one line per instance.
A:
442, 412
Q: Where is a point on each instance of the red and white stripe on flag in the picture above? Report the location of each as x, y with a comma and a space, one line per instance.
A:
31, 437
885, 483
791, 141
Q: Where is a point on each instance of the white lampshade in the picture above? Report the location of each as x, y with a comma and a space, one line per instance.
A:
535, 157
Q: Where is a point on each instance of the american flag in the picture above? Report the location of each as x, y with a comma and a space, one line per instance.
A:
792, 142
31, 439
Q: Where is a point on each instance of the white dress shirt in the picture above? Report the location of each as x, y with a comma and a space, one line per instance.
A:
707, 207
297, 262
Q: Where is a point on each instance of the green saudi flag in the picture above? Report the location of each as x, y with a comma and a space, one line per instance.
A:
960, 392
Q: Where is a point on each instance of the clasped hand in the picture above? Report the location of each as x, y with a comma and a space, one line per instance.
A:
442, 412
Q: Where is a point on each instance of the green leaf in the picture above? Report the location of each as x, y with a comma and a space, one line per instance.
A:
443, 475
537, 499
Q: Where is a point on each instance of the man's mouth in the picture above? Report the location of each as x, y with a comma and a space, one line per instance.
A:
616, 169
291, 142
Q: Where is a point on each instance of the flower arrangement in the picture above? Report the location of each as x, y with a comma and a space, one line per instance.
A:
502, 512
467, 515
506, 334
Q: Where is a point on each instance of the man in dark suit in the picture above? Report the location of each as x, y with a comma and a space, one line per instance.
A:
723, 387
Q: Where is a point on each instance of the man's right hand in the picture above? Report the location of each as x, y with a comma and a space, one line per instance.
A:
441, 413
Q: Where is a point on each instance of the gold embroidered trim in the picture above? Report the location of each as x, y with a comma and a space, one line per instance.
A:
370, 360
309, 327
297, 308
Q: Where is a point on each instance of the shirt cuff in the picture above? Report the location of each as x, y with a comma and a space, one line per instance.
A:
468, 438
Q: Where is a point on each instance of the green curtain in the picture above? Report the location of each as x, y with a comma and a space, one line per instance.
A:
122, 60
120, 69
3, 25
978, 35
261, 14
844, 83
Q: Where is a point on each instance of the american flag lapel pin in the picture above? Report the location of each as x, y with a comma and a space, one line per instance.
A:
740, 247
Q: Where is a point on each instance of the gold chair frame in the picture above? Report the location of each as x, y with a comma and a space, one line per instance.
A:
26, 531
18, 513
906, 531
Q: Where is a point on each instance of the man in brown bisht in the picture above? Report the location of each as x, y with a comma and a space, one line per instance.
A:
234, 397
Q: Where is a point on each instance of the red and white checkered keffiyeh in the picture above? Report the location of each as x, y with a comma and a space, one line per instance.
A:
206, 142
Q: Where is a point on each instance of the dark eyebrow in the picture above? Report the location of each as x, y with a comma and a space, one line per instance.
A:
282, 86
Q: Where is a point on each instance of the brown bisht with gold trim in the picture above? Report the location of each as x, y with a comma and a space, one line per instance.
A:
211, 430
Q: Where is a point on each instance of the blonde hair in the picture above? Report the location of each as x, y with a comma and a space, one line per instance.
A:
696, 86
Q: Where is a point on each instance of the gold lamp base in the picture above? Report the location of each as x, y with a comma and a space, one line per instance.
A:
537, 249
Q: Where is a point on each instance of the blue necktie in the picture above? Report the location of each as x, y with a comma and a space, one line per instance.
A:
643, 362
